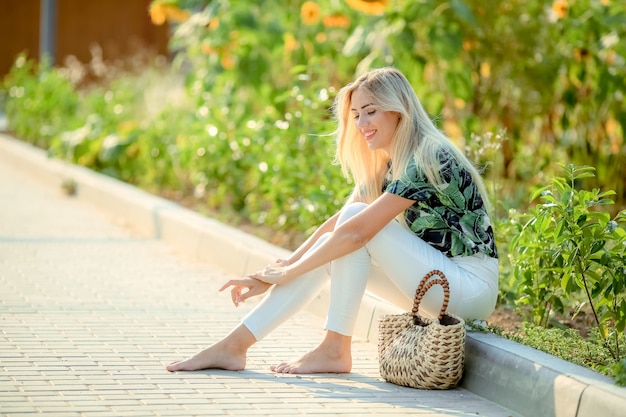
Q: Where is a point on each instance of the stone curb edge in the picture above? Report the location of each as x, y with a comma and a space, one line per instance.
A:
520, 378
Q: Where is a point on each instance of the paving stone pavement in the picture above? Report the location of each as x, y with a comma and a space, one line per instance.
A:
91, 311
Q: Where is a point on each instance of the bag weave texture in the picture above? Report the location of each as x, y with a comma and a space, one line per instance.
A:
423, 353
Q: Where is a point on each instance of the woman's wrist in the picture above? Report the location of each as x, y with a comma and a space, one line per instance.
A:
273, 274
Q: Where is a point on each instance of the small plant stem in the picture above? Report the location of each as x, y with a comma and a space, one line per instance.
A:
546, 314
593, 309
617, 348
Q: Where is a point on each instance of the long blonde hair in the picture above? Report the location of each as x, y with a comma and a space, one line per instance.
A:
416, 136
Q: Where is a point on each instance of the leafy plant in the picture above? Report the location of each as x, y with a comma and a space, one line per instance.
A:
568, 254
40, 101
551, 73
619, 372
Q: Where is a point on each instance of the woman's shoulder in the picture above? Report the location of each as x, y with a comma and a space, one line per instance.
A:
451, 163
447, 156
414, 171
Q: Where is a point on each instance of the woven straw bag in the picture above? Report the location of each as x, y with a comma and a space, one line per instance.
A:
419, 352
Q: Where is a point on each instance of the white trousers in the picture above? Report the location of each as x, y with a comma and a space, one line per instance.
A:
404, 259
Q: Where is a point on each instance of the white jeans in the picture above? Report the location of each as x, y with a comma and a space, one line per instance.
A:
404, 259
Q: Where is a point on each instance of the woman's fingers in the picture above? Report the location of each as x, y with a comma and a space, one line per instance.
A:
235, 296
226, 285
241, 297
235, 292
253, 287
281, 262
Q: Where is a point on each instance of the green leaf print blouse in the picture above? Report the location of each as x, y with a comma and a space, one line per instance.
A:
453, 220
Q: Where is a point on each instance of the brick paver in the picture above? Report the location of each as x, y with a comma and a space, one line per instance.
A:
91, 313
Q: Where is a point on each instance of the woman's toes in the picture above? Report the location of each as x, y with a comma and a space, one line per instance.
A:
279, 369
174, 366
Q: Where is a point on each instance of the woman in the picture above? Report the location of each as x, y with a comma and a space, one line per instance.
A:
418, 204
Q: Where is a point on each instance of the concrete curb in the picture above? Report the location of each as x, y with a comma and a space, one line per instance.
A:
522, 379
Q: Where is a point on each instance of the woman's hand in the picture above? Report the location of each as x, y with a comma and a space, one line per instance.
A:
282, 262
253, 286
276, 273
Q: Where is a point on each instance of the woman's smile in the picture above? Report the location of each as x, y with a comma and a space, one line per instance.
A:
369, 133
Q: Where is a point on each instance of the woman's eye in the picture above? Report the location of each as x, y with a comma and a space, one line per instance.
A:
369, 113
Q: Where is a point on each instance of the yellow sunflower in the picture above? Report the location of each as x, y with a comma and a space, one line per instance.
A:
290, 42
175, 14
157, 14
560, 8
321, 37
310, 13
213, 24
227, 60
160, 13
375, 7
336, 20
468, 45
485, 70
207, 48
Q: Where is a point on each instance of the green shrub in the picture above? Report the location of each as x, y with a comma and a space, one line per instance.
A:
567, 254
40, 102
619, 372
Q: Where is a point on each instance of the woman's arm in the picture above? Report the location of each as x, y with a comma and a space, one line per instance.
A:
348, 237
326, 227
247, 287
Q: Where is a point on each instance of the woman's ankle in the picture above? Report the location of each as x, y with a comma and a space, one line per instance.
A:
336, 342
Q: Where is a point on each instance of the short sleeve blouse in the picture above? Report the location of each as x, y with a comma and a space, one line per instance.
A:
454, 218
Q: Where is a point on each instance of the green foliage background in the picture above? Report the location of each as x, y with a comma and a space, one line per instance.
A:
259, 83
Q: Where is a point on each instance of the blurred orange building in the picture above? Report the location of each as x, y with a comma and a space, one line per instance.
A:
119, 27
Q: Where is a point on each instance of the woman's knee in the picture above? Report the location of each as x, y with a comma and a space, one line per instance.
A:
350, 210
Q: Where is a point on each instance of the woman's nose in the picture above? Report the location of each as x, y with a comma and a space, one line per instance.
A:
362, 121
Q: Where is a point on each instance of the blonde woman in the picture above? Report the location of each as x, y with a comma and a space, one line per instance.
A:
418, 204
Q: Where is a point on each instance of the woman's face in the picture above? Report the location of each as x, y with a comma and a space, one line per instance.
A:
377, 126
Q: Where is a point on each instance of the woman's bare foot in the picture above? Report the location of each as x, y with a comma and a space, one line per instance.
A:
213, 357
333, 355
229, 354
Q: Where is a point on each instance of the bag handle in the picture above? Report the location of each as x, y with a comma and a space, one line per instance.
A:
425, 285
